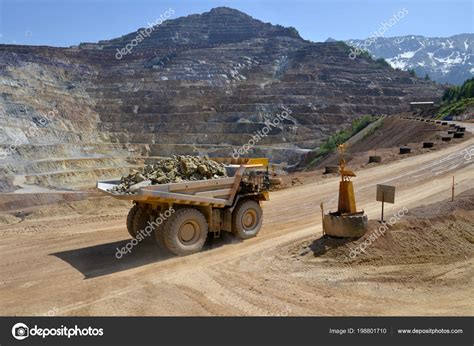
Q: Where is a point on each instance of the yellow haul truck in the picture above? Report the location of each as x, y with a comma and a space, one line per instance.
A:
230, 204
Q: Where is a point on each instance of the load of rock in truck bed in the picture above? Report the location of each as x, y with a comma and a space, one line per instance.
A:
172, 170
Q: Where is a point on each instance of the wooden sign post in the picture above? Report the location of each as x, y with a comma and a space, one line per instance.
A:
452, 191
385, 193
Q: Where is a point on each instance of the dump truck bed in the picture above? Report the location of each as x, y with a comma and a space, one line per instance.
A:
215, 192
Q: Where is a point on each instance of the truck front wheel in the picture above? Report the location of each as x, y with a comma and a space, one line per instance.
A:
247, 219
185, 232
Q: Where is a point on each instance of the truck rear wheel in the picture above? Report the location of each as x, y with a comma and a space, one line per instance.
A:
185, 232
247, 219
159, 236
130, 217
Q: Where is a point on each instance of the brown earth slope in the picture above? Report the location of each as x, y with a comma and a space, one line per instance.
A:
383, 138
385, 141
437, 233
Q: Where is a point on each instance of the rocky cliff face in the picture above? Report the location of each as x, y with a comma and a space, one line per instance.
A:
201, 84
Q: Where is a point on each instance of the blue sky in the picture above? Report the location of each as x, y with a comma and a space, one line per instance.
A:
69, 22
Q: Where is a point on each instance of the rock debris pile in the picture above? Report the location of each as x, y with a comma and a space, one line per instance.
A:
171, 170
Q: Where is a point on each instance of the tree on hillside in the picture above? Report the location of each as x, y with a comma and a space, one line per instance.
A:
455, 93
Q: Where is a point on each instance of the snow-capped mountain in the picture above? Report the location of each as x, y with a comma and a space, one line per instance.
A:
444, 59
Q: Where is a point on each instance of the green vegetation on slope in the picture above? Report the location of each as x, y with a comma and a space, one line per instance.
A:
456, 93
339, 137
455, 107
373, 129
457, 99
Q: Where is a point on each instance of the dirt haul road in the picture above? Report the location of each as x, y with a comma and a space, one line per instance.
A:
66, 264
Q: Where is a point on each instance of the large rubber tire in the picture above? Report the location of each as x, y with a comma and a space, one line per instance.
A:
140, 221
247, 219
185, 232
159, 237
130, 217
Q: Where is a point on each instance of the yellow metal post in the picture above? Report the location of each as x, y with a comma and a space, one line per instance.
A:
347, 202
347, 222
